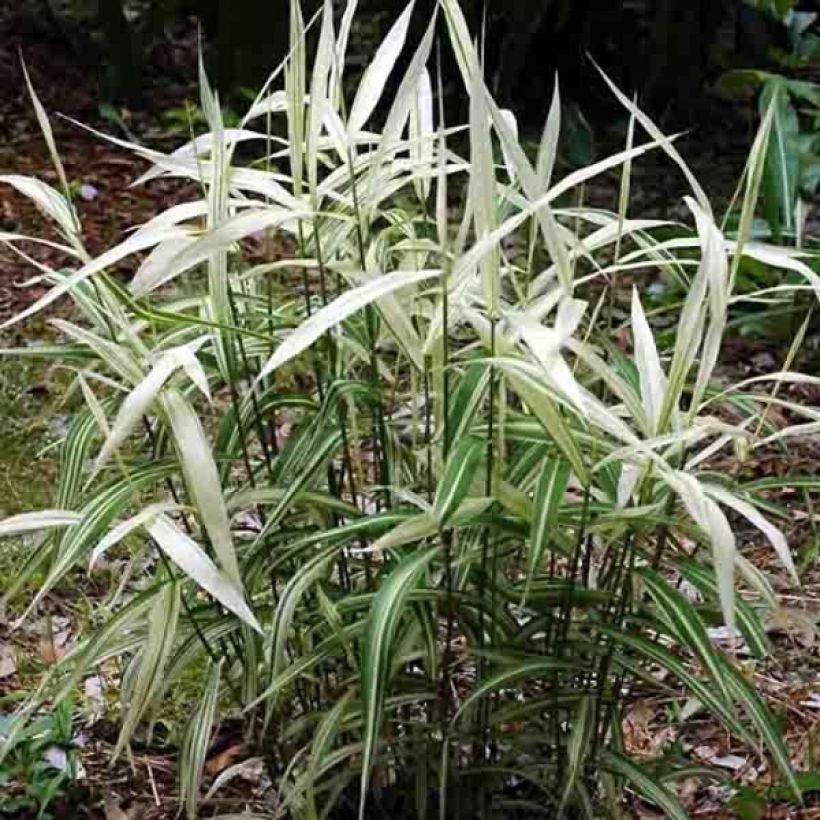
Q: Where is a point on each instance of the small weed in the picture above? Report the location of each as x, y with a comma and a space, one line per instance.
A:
41, 767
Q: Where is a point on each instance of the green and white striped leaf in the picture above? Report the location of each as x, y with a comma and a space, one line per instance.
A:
683, 618
150, 662
74, 456
195, 742
310, 572
95, 518
322, 745
521, 669
782, 168
459, 473
467, 400
764, 723
549, 495
645, 785
718, 702
749, 622
577, 749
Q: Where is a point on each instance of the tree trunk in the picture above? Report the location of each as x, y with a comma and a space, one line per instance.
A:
683, 34
123, 72
246, 40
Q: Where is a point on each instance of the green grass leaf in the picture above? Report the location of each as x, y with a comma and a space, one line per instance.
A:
382, 622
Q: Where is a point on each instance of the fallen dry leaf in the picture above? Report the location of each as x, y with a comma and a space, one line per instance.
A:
94, 698
48, 652
224, 759
53, 644
800, 627
8, 661
113, 810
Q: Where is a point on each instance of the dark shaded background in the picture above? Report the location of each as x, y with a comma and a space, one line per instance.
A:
669, 51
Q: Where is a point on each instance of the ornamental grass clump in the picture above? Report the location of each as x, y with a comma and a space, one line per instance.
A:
404, 502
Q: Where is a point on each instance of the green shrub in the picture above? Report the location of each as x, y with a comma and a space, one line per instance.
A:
410, 503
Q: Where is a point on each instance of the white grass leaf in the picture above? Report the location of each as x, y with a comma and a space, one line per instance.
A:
185, 357
397, 116
206, 171
483, 187
665, 142
690, 327
345, 26
512, 126
139, 400
133, 244
461, 40
319, 95
338, 310
124, 528
375, 76
10, 238
783, 259
275, 103
626, 483
548, 148
422, 134
36, 521
134, 407
708, 516
219, 239
754, 517
468, 261
191, 559
652, 378
51, 202
180, 213
201, 478
200, 146
48, 134
153, 268
195, 742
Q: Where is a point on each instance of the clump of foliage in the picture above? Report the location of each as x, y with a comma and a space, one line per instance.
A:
792, 169
406, 502
38, 770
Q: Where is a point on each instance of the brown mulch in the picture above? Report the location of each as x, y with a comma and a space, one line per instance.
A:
107, 206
